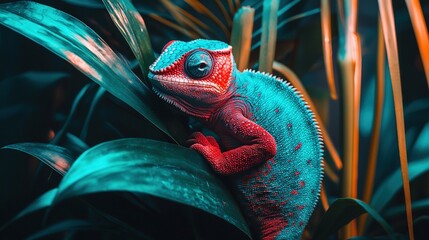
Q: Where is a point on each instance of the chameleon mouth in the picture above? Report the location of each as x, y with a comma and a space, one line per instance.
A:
168, 81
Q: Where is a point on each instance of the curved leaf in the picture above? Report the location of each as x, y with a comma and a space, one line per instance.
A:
56, 157
70, 225
387, 190
86, 3
132, 27
341, 212
43, 202
75, 42
84, 91
417, 205
150, 167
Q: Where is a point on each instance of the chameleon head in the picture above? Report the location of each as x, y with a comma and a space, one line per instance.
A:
195, 75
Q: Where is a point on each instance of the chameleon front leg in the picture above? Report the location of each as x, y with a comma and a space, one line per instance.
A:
256, 145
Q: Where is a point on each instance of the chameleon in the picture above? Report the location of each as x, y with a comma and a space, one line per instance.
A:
270, 148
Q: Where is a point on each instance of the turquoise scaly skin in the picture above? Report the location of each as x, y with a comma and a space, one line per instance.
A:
271, 147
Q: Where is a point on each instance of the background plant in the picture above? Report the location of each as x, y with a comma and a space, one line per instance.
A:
165, 190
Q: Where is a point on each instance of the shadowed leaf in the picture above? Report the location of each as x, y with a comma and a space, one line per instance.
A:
393, 184
341, 212
42, 202
202, 9
185, 19
283, 23
56, 157
75, 42
84, 91
86, 3
132, 27
172, 25
70, 225
164, 170
225, 13
418, 205
375, 135
97, 98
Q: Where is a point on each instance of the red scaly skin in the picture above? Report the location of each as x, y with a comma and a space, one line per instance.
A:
246, 143
255, 144
270, 144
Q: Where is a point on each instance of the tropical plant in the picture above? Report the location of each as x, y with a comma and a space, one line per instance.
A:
108, 160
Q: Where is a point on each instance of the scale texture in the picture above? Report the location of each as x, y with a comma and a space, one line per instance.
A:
270, 146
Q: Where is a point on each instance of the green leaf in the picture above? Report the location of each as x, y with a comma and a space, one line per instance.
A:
159, 169
84, 91
417, 205
42, 202
56, 157
86, 3
132, 27
75, 42
94, 103
341, 212
387, 190
70, 225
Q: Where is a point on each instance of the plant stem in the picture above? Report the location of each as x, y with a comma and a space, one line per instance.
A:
387, 19
269, 35
241, 37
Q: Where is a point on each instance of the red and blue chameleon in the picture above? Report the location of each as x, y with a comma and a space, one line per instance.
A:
270, 146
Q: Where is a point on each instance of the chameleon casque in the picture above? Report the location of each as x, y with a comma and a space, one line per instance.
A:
270, 145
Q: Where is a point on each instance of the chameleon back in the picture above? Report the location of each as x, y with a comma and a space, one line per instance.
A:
282, 192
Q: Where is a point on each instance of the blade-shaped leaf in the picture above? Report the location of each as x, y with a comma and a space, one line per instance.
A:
150, 167
418, 205
341, 212
132, 27
58, 158
86, 3
75, 42
70, 225
43, 202
387, 190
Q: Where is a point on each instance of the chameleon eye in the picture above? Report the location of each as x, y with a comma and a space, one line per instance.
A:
199, 64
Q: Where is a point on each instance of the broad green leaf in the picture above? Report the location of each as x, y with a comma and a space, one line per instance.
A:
341, 212
86, 3
43, 202
417, 205
159, 169
387, 190
132, 27
70, 225
58, 158
75, 42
